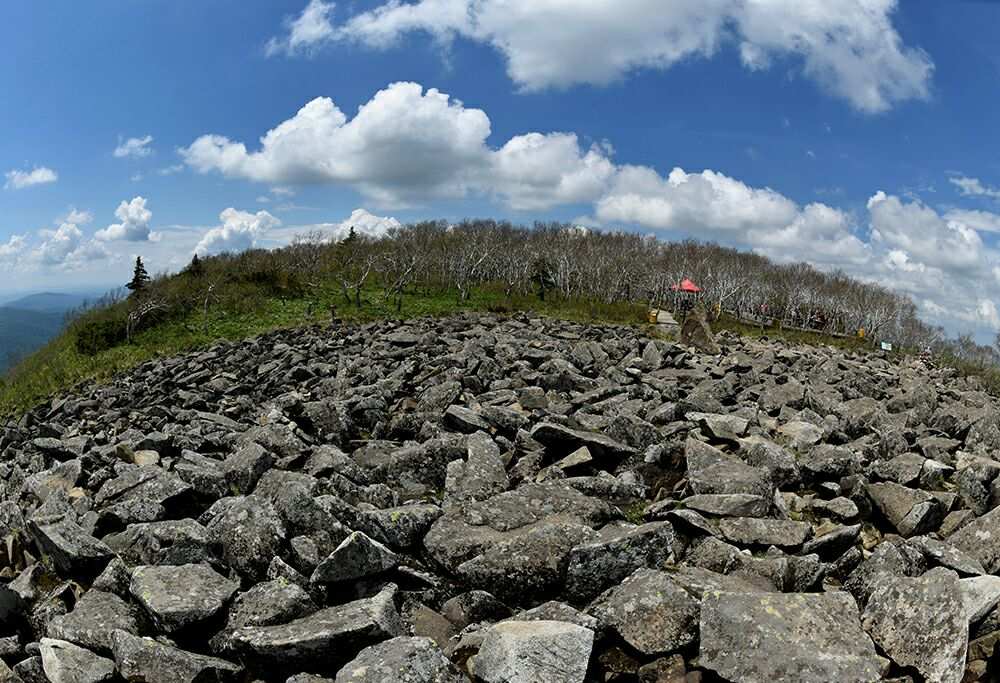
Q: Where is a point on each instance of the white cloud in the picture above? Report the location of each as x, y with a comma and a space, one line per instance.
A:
13, 248
925, 235
974, 187
711, 205
363, 222
311, 28
66, 247
988, 313
77, 217
134, 225
170, 170
40, 175
708, 202
407, 144
850, 47
983, 221
403, 144
136, 148
538, 171
239, 231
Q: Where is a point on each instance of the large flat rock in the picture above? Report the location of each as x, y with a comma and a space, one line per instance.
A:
765, 637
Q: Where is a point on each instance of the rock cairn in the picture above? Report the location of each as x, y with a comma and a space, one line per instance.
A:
503, 500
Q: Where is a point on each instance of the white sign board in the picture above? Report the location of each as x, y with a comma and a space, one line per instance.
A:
886, 346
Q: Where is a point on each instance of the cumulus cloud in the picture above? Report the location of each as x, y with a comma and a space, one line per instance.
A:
239, 231
40, 175
12, 248
706, 202
407, 144
309, 29
66, 247
536, 171
711, 205
849, 47
363, 222
78, 217
134, 225
136, 148
402, 144
921, 232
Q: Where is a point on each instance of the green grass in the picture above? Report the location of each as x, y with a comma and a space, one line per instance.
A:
58, 366
791, 336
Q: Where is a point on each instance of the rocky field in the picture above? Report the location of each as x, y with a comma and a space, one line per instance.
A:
507, 501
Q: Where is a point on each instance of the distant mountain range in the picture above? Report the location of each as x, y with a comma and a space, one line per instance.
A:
28, 323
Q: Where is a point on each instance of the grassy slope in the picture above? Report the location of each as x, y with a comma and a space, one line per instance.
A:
58, 366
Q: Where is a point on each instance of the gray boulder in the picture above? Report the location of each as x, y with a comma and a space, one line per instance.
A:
318, 640
980, 539
710, 471
144, 659
533, 651
72, 550
757, 531
93, 619
402, 660
910, 511
250, 532
177, 597
803, 637
357, 557
921, 622
479, 476
593, 567
650, 611
65, 662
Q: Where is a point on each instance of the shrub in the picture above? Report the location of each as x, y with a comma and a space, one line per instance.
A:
94, 336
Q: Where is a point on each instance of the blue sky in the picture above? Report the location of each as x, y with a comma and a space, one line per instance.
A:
854, 134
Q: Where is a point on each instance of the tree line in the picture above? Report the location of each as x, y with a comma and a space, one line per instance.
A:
551, 261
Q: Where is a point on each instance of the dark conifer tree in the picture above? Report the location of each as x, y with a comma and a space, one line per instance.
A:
140, 278
196, 268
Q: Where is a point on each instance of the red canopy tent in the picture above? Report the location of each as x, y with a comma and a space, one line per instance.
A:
687, 286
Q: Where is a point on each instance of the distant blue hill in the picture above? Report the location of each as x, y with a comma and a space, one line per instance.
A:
28, 323
48, 302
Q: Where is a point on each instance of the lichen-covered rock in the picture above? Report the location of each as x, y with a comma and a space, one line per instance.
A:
93, 619
532, 651
356, 557
68, 663
764, 637
144, 659
756, 531
72, 550
250, 532
980, 539
177, 597
711, 471
650, 611
921, 622
910, 511
402, 660
595, 566
316, 641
